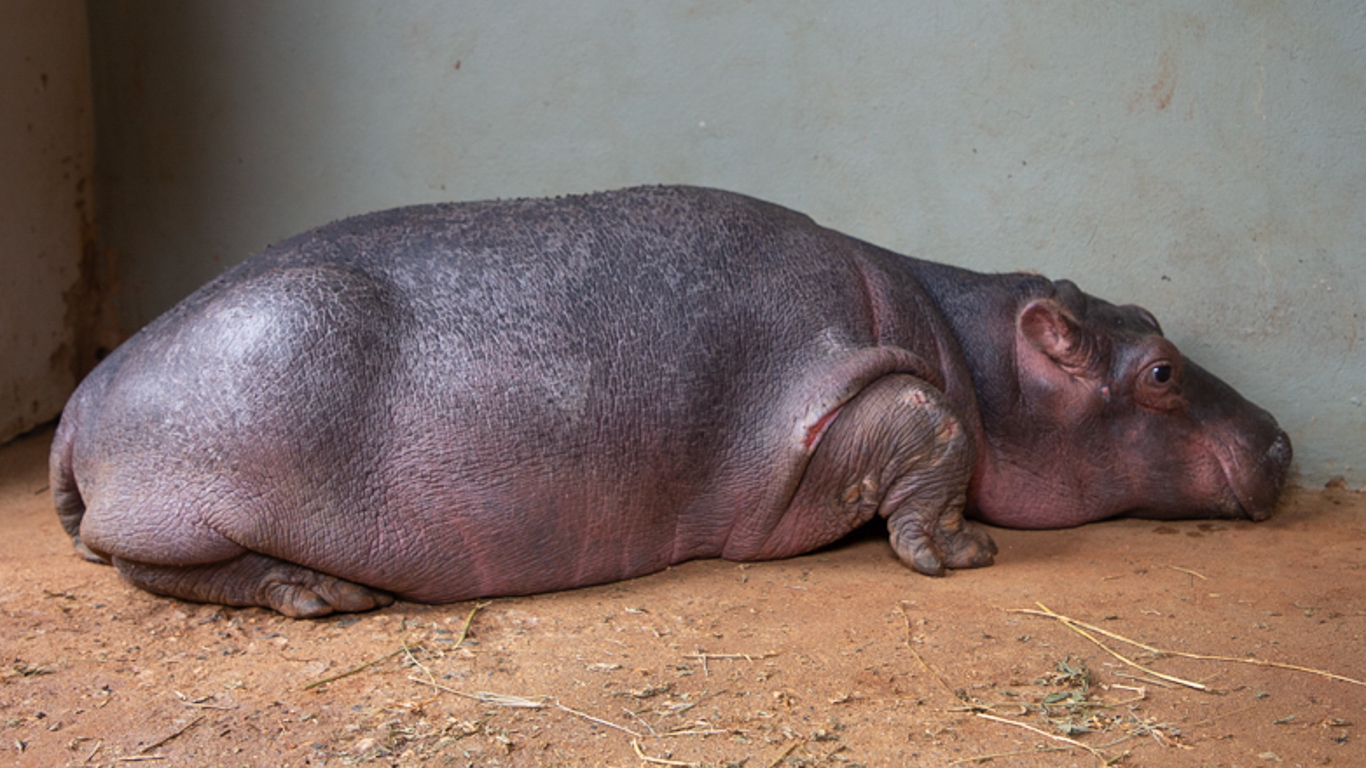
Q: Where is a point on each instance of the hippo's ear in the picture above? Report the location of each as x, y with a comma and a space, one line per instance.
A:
1052, 330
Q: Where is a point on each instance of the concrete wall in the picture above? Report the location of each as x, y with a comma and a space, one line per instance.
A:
1202, 158
45, 214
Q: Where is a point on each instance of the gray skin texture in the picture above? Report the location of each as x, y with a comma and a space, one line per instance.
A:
445, 402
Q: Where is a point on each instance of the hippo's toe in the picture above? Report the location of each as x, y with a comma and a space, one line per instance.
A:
324, 596
950, 541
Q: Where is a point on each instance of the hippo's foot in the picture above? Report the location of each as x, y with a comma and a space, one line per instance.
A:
256, 579
930, 540
896, 449
924, 507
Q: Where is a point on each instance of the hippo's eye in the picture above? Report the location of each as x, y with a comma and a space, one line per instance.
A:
1157, 384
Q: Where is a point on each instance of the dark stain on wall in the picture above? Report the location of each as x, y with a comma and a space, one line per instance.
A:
91, 321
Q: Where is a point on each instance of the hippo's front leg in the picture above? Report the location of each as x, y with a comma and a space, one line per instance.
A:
896, 449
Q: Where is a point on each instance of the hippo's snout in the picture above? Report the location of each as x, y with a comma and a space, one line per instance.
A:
1260, 487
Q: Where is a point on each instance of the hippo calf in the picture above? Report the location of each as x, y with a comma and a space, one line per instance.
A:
445, 402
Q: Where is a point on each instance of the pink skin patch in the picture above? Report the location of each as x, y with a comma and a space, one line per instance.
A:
814, 431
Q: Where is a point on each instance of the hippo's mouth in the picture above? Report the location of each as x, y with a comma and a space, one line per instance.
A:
1254, 486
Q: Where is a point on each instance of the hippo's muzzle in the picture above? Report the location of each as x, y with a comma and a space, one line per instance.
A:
1258, 487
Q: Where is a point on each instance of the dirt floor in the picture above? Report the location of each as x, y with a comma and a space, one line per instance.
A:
839, 658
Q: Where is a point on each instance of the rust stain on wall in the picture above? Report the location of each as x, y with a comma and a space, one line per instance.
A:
1159, 96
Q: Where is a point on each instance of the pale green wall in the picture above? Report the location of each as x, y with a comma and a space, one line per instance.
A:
1205, 159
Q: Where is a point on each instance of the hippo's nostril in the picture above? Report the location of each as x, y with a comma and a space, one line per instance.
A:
1280, 452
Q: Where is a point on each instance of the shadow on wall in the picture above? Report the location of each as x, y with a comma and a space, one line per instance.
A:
144, 64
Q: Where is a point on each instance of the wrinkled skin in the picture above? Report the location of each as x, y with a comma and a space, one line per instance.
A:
454, 401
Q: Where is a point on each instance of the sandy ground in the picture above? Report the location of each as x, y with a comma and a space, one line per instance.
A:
839, 658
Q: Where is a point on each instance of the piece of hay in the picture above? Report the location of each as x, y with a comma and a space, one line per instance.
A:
1079, 626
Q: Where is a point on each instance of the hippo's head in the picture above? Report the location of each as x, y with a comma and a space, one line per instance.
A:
1104, 417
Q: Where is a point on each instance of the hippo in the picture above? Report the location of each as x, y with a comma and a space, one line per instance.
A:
452, 401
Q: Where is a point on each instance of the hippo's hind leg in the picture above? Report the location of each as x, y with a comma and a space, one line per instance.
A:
255, 579
898, 449
168, 550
